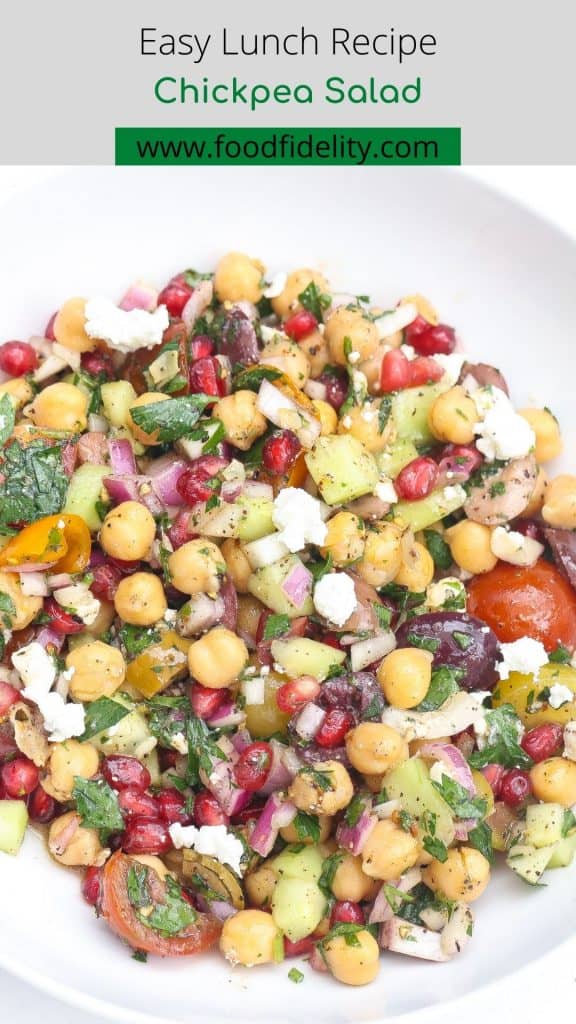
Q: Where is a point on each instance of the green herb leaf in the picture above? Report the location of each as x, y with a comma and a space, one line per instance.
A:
167, 718
438, 548
354, 811
102, 714
348, 931
307, 826
396, 897
384, 413
442, 685
34, 483
383, 615
193, 277
568, 822
7, 610
276, 625
172, 916
172, 419
295, 975
459, 800
140, 956
321, 780
135, 639
329, 868
97, 805
481, 839
497, 488
464, 640
406, 820
436, 848
137, 886
7, 418
560, 655
425, 643
250, 379
314, 300
319, 569
503, 746
203, 750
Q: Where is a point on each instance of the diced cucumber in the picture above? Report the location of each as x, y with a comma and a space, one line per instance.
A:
303, 863
391, 462
13, 822
563, 853
421, 514
130, 736
84, 491
410, 410
117, 397
266, 585
342, 468
297, 907
299, 656
544, 824
410, 784
164, 367
256, 518
529, 863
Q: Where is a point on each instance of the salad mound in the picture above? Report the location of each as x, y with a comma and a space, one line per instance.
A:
288, 617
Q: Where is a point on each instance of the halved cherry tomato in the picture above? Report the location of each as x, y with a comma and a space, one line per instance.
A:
61, 542
122, 918
517, 602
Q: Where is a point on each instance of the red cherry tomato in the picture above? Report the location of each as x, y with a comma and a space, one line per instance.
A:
543, 742
336, 724
60, 620
253, 766
515, 787
517, 602
395, 373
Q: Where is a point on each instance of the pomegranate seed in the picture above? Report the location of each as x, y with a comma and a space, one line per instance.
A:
19, 777
49, 329
205, 702
459, 460
207, 810
175, 295
336, 384
106, 578
92, 886
530, 529
424, 370
280, 452
494, 773
41, 806
136, 804
434, 340
347, 911
543, 742
9, 695
417, 479
515, 787
201, 347
61, 621
334, 728
168, 758
194, 484
17, 358
205, 377
172, 805
300, 948
145, 836
99, 364
395, 372
297, 692
299, 325
121, 771
180, 532
253, 766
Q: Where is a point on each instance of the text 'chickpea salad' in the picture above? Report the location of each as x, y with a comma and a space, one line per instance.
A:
288, 621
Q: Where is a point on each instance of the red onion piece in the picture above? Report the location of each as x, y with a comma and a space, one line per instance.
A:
381, 909
449, 755
221, 784
317, 962
30, 567
226, 715
122, 458
309, 721
230, 599
298, 585
199, 300
34, 584
275, 814
353, 837
134, 487
200, 613
140, 296
240, 740
398, 936
48, 637
279, 775
165, 473
258, 489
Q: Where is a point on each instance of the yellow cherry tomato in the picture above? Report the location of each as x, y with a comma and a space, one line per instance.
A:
62, 541
523, 691
159, 665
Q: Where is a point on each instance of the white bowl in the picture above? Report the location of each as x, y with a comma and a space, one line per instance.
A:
506, 280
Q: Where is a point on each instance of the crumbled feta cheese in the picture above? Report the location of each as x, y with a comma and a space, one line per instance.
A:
125, 330
354, 357
179, 742
38, 671
454, 492
359, 386
396, 319
276, 286
448, 591
368, 413
559, 695
61, 720
211, 840
79, 600
570, 741
347, 422
386, 491
502, 432
298, 518
170, 615
525, 655
452, 364
269, 333
335, 597
439, 770
253, 691
512, 546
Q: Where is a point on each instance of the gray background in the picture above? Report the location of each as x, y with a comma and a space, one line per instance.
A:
71, 70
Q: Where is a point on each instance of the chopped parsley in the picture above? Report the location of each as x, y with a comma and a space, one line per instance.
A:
171, 916
321, 780
459, 800
276, 625
435, 847
481, 839
568, 822
7, 610
102, 714
250, 379
383, 615
329, 868
98, 807
307, 826
497, 488
560, 655
438, 548
7, 418
315, 301
348, 931
442, 685
425, 643
319, 569
135, 639
171, 419
384, 413
503, 746
295, 975
34, 483
354, 811
396, 897
464, 640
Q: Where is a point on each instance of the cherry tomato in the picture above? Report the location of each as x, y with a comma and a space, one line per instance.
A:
60, 620
517, 602
543, 742
123, 919
61, 542
253, 766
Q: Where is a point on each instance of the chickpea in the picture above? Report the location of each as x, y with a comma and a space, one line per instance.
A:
404, 676
287, 357
416, 745
237, 565
99, 669
103, 620
374, 748
417, 569
349, 881
389, 851
260, 885
554, 781
327, 416
382, 556
196, 567
290, 835
68, 760
537, 497
316, 348
547, 431
128, 531
250, 938
69, 329
237, 277
452, 416
470, 546
463, 876
249, 611
25, 608
218, 658
60, 406
363, 423
82, 849
354, 325
559, 508
140, 599
353, 965
372, 367
345, 539
288, 302
318, 799
148, 398
20, 391
242, 421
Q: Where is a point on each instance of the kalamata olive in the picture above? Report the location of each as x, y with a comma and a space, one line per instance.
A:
486, 376
563, 545
460, 641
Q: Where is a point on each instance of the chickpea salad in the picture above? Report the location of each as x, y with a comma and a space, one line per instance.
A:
288, 621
